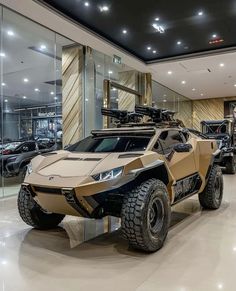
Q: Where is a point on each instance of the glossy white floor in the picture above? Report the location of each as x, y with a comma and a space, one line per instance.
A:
199, 254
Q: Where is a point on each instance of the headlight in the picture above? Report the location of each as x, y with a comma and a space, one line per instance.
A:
29, 169
108, 175
11, 159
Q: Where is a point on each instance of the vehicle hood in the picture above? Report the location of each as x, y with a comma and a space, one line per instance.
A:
68, 164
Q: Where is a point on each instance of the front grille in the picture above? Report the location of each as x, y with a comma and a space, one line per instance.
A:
47, 190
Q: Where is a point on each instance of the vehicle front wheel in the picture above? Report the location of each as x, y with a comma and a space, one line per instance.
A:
212, 195
33, 215
230, 166
145, 215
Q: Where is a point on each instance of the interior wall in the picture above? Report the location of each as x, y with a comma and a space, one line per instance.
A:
208, 109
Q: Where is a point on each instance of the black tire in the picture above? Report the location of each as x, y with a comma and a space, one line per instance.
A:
145, 215
22, 173
33, 215
230, 166
212, 195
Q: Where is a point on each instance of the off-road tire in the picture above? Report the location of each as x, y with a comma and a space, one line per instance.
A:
33, 215
230, 166
212, 195
138, 214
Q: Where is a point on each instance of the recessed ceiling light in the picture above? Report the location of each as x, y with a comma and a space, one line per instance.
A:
234, 85
43, 47
202, 94
104, 8
2, 54
169, 72
55, 98
214, 35
158, 28
154, 51
183, 82
86, 4
157, 19
222, 65
98, 66
117, 100
36, 90
26, 80
110, 72
149, 48
5, 100
193, 89
86, 100
52, 93
179, 42
200, 13
164, 100
114, 89
164, 95
3, 84
124, 31
10, 33
24, 97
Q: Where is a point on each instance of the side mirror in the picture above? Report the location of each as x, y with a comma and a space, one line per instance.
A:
183, 148
25, 149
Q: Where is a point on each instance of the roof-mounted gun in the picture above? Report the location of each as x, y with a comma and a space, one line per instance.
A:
123, 116
154, 113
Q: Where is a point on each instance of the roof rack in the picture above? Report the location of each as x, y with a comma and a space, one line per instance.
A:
123, 116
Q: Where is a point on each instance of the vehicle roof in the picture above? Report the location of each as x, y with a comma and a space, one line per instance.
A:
216, 121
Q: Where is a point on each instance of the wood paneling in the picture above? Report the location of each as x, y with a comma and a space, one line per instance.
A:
126, 100
208, 109
72, 94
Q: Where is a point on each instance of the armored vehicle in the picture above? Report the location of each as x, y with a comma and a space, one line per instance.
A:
136, 171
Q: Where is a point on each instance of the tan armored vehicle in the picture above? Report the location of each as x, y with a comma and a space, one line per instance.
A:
136, 171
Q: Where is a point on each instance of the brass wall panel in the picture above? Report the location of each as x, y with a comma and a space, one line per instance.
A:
72, 94
208, 109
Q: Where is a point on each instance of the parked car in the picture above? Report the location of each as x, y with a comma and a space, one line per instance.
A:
16, 156
136, 172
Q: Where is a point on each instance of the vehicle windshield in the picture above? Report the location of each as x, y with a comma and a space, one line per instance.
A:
110, 144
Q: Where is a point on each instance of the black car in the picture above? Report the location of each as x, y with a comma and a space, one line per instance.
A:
223, 132
15, 157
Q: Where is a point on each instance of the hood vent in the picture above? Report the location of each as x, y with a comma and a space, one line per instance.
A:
82, 159
129, 156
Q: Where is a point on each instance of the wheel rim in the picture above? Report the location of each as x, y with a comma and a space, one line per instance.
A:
156, 215
217, 187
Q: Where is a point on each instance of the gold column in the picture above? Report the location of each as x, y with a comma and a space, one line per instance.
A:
72, 94
126, 101
146, 89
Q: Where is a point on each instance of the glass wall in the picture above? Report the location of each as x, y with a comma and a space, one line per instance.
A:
99, 67
31, 95
165, 98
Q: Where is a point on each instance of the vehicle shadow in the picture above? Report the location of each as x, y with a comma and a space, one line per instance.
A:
69, 239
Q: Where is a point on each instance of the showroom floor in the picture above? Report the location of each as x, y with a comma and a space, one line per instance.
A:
199, 254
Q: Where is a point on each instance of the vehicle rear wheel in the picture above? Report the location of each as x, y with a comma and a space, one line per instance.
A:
230, 166
145, 215
212, 195
33, 215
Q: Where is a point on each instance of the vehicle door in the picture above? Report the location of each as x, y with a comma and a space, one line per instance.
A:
177, 152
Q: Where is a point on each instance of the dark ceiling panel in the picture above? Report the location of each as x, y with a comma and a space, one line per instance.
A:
189, 25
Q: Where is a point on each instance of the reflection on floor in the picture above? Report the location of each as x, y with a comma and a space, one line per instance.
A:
9, 186
199, 254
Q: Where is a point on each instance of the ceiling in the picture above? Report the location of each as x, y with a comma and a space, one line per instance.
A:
199, 78
154, 30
